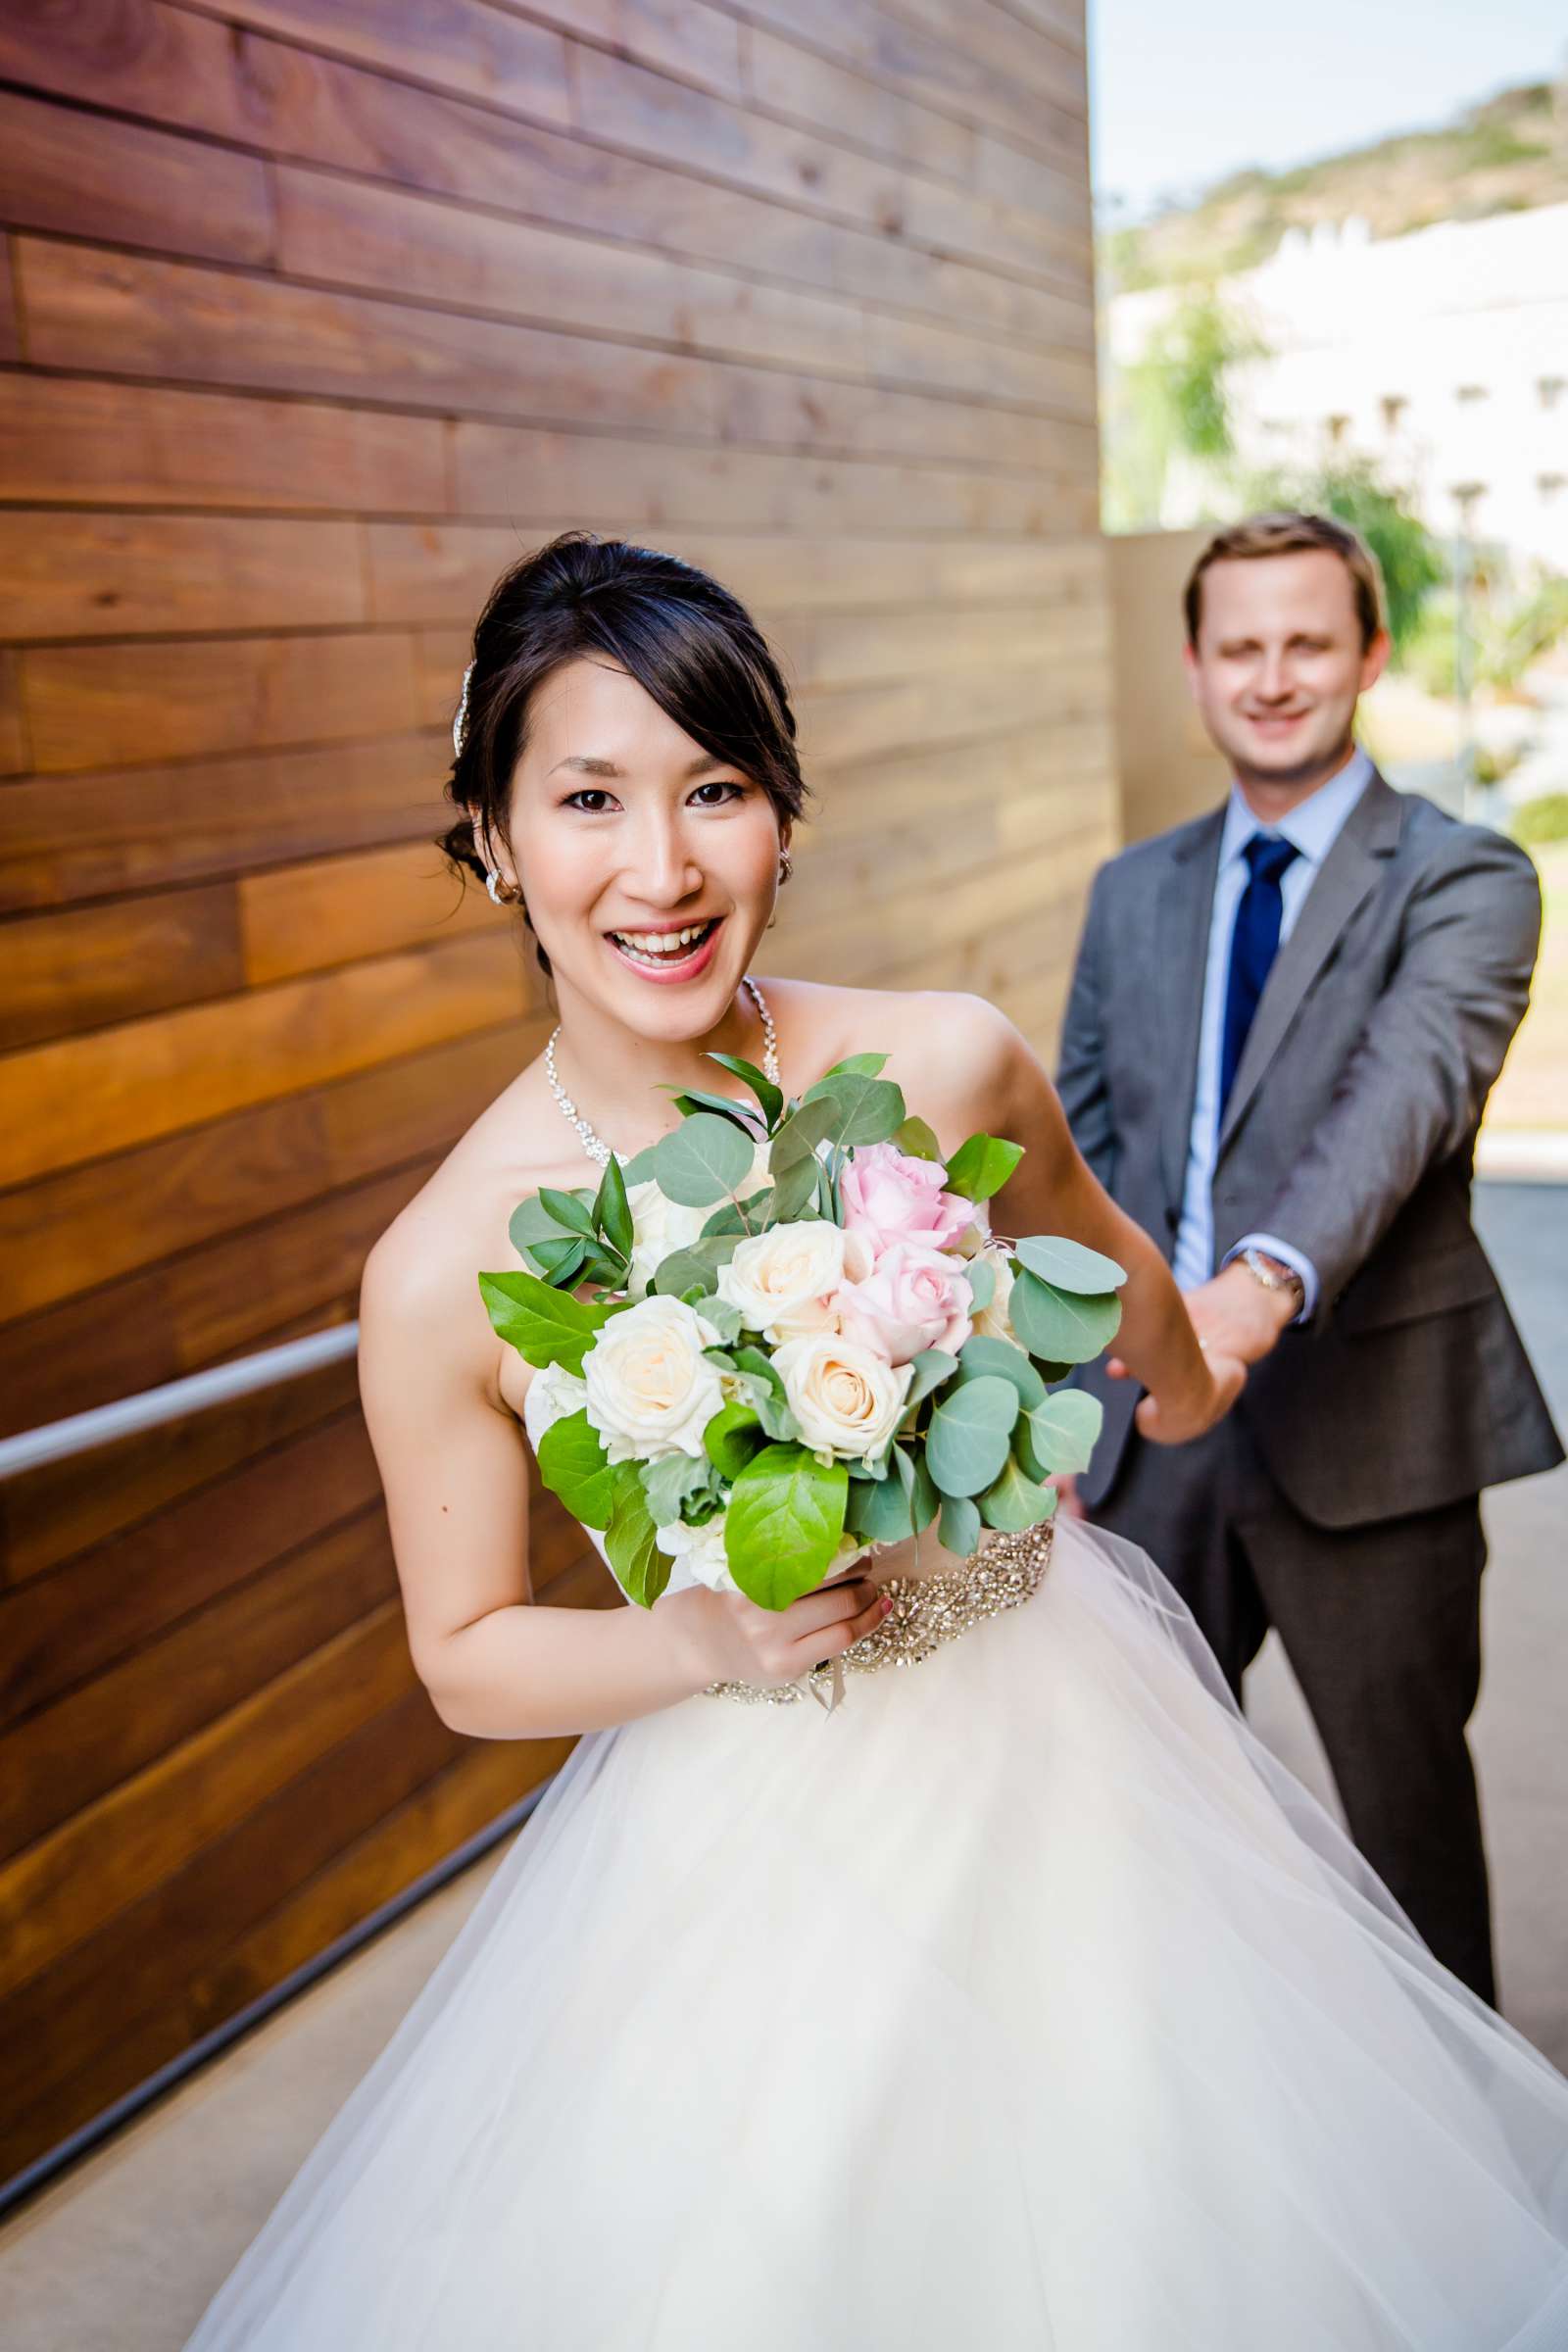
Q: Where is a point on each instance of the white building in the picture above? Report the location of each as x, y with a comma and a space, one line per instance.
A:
1441, 355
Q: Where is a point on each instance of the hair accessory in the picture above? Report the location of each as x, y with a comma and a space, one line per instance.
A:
460, 725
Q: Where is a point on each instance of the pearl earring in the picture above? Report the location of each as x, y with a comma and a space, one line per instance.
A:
786, 867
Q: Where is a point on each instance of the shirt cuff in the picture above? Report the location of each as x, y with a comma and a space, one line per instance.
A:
1272, 1246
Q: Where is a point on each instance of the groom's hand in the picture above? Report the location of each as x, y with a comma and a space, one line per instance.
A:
1233, 1314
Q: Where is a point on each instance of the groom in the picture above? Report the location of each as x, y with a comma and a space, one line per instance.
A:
1284, 1023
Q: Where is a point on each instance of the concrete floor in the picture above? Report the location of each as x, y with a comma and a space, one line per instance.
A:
121, 2255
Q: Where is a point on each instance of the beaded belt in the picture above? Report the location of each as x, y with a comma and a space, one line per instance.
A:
927, 1612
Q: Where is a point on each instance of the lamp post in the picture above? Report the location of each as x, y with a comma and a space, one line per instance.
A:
1465, 496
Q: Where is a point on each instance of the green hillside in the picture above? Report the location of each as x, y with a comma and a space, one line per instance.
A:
1504, 156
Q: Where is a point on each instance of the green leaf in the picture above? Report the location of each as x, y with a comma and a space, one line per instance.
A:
532, 1227
545, 1326
1014, 1501
1063, 1430
559, 1262
1058, 1325
1069, 1266
783, 1525
767, 1094
612, 1212
808, 1125
722, 1107
966, 1443
703, 1160
641, 1569
959, 1525
981, 1276
639, 1170
569, 1211
734, 1433
724, 1318
793, 1192
889, 1510
866, 1110
932, 1366
854, 1066
697, 1265
981, 1357
671, 1482
574, 1464
597, 1267
916, 1140
981, 1165
740, 1217
767, 1394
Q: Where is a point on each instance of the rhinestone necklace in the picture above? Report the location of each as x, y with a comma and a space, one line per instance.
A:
595, 1148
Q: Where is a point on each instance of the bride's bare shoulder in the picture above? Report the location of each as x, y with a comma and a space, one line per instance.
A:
939, 1042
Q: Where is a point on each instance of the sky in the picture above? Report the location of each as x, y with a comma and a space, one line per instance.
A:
1184, 91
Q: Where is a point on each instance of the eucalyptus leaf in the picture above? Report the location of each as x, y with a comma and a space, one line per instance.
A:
981, 1356
968, 1441
889, 1512
1064, 1428
866, 1110
1014, 1501
932, 1366
575, 1466
639, 1170
732, 1438
981, 1165
1061, 1326
959, 1525
769, 1096
696, 1266
545, 1326
670, 1482
740, 1217
793, 1191
640, 1568
783, 1524
810, 1124
767, 1394
703, 1160
1069, 1266
531, 1223
981, 1276
916, 1140
724, 1318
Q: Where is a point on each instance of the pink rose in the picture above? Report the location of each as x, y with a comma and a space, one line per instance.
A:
913, 1297
891, 1198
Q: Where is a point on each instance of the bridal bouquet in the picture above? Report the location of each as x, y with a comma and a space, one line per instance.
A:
783, 1336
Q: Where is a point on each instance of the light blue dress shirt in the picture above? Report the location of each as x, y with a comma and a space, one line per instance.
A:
1313, 827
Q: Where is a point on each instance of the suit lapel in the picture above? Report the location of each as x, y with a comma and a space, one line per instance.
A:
1185, 905
1348, 876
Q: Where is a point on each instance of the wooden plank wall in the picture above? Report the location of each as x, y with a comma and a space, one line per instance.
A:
312, 315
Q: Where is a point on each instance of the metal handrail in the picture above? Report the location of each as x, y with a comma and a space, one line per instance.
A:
78, 1432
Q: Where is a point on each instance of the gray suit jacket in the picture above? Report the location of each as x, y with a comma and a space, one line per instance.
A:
1349, 1132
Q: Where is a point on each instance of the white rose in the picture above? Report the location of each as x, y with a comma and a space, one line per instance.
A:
699, 1557
779, 1278
658, 1227
846, 1398
992, 1322
649, 1389
697, 1553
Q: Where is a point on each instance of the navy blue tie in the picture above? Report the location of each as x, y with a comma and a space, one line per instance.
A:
1254, 943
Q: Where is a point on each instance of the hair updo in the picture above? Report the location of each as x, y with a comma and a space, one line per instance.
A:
688, 642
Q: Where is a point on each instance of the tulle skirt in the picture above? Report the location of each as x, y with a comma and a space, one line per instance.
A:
1023, 2000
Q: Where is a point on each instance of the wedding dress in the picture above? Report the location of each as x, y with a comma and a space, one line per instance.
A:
1019, 1999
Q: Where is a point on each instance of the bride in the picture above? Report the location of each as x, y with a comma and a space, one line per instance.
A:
1021, 1999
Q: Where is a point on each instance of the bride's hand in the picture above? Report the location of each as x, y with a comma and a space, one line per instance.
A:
730, 1640
1173, 1420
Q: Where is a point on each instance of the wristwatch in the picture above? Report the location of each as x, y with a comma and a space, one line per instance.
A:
1275, 1275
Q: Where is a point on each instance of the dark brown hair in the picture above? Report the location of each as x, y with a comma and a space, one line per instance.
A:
688, 642
1291, 533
